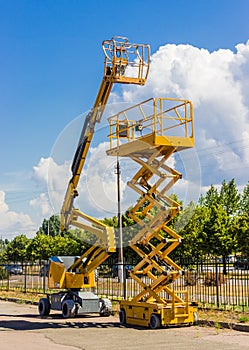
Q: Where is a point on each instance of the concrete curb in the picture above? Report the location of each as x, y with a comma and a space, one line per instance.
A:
21, 301
235, 326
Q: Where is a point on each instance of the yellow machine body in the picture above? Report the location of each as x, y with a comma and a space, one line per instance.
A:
59, 278
139, 313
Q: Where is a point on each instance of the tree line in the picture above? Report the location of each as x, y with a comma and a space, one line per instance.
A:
218, 225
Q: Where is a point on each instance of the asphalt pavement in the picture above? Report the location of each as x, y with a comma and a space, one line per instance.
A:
22, 328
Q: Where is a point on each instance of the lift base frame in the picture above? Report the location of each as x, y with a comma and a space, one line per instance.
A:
139, 313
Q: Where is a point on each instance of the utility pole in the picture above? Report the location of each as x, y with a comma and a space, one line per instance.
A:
120, 249
48, 228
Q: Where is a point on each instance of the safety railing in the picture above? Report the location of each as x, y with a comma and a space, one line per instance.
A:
166, 117
130, 61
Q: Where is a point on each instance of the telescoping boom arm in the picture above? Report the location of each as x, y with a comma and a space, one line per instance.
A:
125, 63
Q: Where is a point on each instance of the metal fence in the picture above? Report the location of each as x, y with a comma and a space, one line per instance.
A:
204, 280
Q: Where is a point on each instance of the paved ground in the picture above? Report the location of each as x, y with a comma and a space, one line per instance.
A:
22, 329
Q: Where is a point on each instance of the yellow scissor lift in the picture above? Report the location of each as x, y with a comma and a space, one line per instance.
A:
149, 133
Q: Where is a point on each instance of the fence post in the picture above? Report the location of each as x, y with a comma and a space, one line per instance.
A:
217, 283
8, 282
124, 286
44, 279
25, 278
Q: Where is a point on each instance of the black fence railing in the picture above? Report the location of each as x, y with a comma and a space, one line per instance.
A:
212, 282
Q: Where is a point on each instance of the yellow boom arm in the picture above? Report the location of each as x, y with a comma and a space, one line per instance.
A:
125, 63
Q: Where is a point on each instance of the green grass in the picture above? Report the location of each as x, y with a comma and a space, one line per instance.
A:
243, 319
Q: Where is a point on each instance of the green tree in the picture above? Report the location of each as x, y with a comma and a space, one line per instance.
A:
16, 250
195, 238
40, 248
51, 226
3, 245
211, 197
229, 197
240, 230
224, 206
112, 222
244, 202
184, 217
67, 244
219, 234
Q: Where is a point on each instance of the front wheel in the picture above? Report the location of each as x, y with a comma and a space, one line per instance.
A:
155, 321
68, 309
105, 307
44, 307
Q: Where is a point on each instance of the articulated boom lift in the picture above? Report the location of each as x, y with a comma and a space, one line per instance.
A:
149, 133
125, 63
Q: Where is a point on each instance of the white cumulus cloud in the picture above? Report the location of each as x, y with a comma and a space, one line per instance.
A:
41, 203
54, 178
97, 187
13, 223
217, 83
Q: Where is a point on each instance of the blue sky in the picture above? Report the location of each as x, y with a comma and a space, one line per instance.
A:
51, 66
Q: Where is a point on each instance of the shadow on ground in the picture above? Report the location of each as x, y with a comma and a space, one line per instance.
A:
54, 322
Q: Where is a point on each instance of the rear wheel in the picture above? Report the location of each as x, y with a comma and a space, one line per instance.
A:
122, 316
155, 321
44, 307
68, 309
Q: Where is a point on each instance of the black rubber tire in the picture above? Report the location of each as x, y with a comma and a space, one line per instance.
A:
68, 309
44, 307
105, 308
155, 321
122, 316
